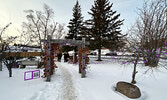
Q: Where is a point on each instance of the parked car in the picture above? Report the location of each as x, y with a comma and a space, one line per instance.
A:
111, 54
93, 53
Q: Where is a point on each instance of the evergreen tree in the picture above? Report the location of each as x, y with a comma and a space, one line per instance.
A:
104, 26
75, 26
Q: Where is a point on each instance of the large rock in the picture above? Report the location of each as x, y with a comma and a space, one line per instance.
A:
128, 89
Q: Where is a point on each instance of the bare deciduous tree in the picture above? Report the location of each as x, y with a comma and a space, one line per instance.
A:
5, 56
60, 32
149, 31
2, 44
7, 59
40, 24
147, 36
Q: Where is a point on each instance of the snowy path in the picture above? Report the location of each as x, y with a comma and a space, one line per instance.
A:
68, 88
61, 87
50, 90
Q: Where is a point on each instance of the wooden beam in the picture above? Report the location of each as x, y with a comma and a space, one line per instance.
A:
67, 42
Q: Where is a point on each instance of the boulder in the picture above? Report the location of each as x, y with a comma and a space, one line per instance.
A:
128, 89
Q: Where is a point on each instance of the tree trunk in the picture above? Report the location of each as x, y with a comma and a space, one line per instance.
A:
99, 55
134, 71
0, 65
1, 57
10, 70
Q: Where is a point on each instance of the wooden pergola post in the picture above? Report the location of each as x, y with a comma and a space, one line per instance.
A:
83, 72
48, 59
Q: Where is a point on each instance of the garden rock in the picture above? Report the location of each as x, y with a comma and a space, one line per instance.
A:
128, 89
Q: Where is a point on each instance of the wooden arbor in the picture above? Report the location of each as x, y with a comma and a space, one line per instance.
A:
49, 57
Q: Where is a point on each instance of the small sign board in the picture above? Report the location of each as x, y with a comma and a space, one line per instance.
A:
29, 75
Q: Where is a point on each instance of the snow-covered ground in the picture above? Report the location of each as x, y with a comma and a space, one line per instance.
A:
67, 84
15, 88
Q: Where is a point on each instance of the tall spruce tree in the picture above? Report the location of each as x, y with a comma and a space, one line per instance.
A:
76, 23
75, 26
104, 26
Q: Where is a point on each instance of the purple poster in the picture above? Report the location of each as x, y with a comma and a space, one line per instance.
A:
31, 75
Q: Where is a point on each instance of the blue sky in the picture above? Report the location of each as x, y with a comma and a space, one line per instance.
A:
13, 11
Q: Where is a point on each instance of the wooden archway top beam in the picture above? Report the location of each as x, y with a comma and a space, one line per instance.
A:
67, 42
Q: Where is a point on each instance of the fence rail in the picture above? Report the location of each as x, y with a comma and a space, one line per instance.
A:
125, 57
22, 54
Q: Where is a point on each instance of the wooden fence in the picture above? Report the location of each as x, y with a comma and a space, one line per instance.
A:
22, 54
